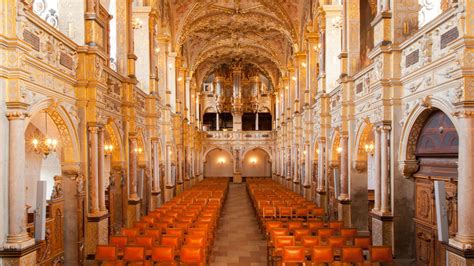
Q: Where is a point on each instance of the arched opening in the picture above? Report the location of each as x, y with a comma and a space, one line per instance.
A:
333, 176
436, 151
114, 177
256, 163
49, 146
363, 185
219, 163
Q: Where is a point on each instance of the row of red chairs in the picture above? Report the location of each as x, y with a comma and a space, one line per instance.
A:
180, 231
296, 238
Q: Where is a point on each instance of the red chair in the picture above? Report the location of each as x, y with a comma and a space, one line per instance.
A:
294, 225
163, 255
171, 241
293, 254
130, 232
106, 254
135, 255
352, 255
322, 254
141, 225
325, 233
155, 233
348, 234
300, 232
119, 241
145, 241
363, 242
192, 256
381, 254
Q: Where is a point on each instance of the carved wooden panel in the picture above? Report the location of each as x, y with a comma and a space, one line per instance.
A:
424, 196
424, 245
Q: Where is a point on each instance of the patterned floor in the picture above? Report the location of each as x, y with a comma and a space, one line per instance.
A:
238, 239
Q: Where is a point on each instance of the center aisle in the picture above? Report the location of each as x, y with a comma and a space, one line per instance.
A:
238, 240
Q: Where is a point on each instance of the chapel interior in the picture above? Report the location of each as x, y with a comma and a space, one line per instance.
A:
236, 132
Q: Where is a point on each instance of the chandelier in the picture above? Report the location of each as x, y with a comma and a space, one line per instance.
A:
45, 144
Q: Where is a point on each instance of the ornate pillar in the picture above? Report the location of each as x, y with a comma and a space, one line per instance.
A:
73, 189
344, 195
169, 193
93, 172
256, 121
384, 173
133, 194
155, 190
217, 121
100, 167
377, 170
464, 239
97, 220
17, 238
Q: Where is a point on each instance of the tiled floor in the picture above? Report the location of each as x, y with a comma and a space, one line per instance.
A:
238, 240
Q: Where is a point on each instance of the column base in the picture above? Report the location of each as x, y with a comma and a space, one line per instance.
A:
21, 257
18, 242
97, 233
133, 211
237, 178
382, 229
179, 188
456, 256
169, 193
321, 199
307, 193
344, 212
187, 183
155, 199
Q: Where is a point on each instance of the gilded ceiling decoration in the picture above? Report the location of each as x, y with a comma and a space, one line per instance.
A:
213, 32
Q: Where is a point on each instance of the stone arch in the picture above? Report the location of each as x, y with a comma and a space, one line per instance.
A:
65, 125
364, 136
256, 162
412, 128
335, 143
206, 152
213, 167
258, 147
144, 145
118, 154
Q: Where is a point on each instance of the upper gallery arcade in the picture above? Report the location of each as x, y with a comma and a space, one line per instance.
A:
363, 107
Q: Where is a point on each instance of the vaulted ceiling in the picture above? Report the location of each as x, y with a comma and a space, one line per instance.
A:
208, 33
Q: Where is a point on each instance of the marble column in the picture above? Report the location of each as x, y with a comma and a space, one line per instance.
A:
155, 190
133, 194
217, 121
384, 171
307, 164
17, 238
376, 170
256, 121
321, 186
344, 195
100, 167
94, 171
464, 239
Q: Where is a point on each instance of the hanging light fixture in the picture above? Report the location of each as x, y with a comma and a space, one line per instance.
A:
47, 144
108, 149
369, 148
